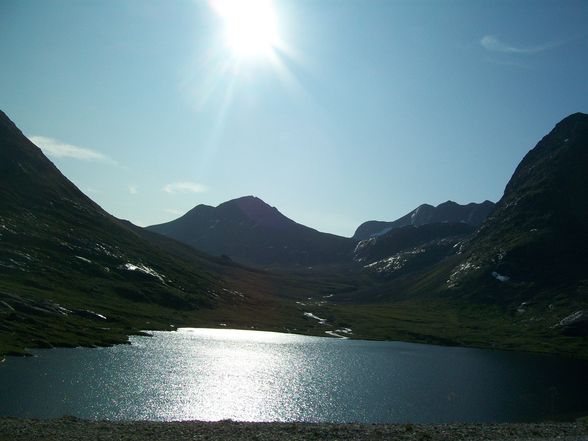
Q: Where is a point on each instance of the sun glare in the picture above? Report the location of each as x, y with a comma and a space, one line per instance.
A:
250, 26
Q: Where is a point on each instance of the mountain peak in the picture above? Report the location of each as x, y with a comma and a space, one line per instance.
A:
570, 125
255, 210
249, 230
574, 117
247, 202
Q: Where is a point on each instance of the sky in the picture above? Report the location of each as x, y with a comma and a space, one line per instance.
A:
338, 111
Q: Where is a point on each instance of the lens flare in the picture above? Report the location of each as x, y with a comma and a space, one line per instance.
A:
251, 28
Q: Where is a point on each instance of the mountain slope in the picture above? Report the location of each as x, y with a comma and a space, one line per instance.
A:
66, 263
249, 230
520, 281
472, 214
538, 235
71, 274
409, 249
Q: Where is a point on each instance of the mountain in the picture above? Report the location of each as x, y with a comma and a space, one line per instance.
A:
472, 214
517, 281
65, 263
71, 274
411, 248
535, 244
249, 230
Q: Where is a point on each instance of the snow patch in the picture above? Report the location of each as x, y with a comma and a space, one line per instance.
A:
103, 250
364, 244
570, 319
393, 263
334, 334
460, 271
321, 321
500, 277
234, 292
143, 269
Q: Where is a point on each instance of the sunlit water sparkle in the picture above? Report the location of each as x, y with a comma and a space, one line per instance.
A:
206, 374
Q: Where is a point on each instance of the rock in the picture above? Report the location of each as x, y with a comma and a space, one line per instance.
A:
575, 324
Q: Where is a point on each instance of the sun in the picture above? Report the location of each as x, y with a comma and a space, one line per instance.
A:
251, 28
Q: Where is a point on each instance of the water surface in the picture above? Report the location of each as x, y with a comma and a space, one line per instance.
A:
207, 374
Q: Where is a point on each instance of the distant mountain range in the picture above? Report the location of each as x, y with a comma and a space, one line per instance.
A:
249, 230
471, 214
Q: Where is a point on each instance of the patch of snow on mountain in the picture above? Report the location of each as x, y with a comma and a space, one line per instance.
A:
570, 319
143, 269
460, 271
321, 321
336, 335
500, 277
393, 263
389, 264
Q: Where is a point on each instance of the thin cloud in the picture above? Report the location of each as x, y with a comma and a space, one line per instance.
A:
184, 187
133, 189
493, 44
57, 149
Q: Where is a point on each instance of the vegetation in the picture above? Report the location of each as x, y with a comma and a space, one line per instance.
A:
71, 274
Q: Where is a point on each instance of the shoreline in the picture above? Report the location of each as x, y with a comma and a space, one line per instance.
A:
124, 338
71, 428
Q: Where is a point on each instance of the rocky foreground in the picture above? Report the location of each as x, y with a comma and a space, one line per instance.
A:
69, 429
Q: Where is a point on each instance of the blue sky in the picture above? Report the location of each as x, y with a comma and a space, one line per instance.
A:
366, 110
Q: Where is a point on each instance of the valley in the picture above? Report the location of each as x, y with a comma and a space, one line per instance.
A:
506, 276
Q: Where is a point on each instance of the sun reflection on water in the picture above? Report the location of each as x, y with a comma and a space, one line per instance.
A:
214, 374
244, 375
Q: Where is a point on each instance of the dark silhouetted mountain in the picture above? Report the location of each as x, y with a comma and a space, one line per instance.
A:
72, 274
472, 214
534, 246
249, 230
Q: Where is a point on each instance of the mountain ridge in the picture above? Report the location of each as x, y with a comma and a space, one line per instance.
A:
472, 213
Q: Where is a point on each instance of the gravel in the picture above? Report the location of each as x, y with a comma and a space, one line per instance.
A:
69, 428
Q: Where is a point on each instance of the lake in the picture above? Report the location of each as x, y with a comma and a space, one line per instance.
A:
206, 374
